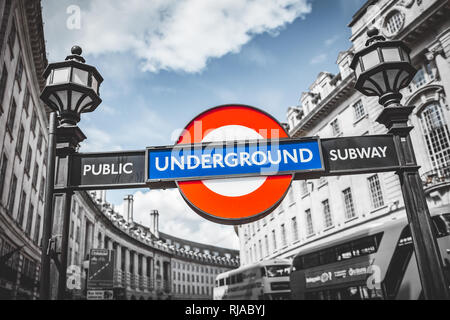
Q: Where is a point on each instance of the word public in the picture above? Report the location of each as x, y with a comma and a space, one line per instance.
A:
223, 160
108, 169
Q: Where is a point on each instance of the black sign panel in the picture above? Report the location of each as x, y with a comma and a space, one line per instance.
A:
108, 170
101, 269
352, 155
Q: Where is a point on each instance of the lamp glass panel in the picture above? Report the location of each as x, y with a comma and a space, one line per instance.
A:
76, 96
358, 69
369, 85
62, 95
95, 84
401, 80
378, 78
392, 76
85, 105
371, 59
61, 75
406, 56
55, 101
80, 76
391, 54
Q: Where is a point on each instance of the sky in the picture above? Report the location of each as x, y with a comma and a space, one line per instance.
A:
165, 61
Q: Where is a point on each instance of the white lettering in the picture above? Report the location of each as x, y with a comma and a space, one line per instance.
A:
235, 160
166, 164
174, 161
125, 170
302, 156
206, 159
86, 169
191, 166
293, 157
218, 160
261, 155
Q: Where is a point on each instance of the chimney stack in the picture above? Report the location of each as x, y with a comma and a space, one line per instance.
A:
129, 202
154, 214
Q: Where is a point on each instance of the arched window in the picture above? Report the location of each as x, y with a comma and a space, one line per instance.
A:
394, 22
436, 134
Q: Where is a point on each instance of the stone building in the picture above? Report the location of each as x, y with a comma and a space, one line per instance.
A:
317, 211
23, 145
148, 263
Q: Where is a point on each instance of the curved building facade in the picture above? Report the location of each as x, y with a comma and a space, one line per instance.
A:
148, 264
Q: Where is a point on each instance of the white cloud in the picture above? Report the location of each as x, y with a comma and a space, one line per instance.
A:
332, 40
177, 219
319, 58
169, 34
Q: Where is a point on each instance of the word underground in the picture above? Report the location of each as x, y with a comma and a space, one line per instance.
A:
231, 160
225, 160
234, 310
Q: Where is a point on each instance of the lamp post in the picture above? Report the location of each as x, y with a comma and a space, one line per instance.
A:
72, 88
382, 69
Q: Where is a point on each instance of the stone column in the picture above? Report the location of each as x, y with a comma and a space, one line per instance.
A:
127, 268
118, 265
136, 270
144, 272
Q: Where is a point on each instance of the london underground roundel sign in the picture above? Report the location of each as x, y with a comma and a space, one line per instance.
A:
234, 200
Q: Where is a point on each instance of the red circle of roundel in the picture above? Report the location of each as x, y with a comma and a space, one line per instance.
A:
241, 209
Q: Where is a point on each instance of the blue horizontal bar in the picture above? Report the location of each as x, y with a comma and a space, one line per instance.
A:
187, 162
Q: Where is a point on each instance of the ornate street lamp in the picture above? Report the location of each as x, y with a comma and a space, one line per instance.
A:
382, 69
72, 88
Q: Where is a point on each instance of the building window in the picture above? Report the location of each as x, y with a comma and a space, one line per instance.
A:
29, 220
3, 79
328, 220
359, 111
26, 100
77, 235
309, 223
274, 240
436, 134
20, 215
41, 189
11, 118
260, 249
304, 187
39, 143
266, 243
35, 175
291, 197
283, 236
12, 39
20, 138
335, 127
19, 71
294, 228
33, 122
3, 174
37, 227
28, 161
348, 203
12, 195
376, 194
394, 22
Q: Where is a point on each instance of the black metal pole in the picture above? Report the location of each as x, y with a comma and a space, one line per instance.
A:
429, 261
64, 245
48, 210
